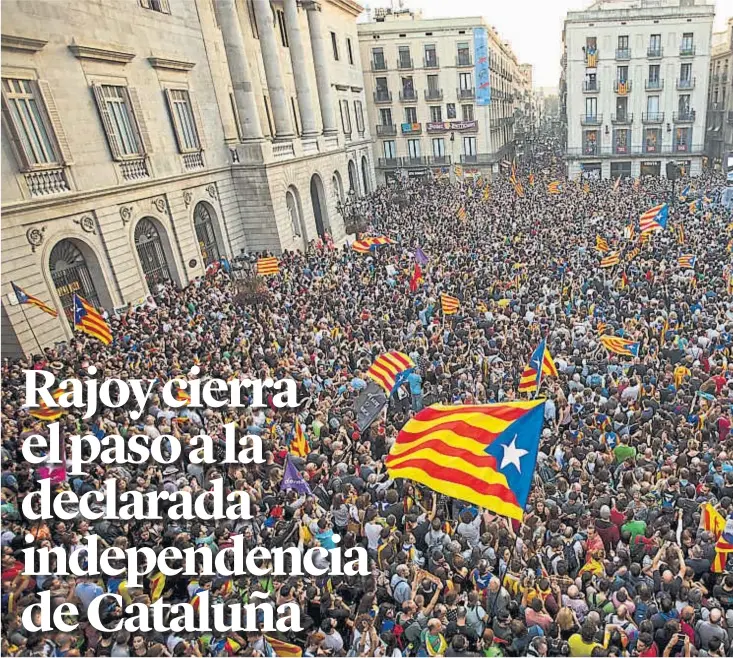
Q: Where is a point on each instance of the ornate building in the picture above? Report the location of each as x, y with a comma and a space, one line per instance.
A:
145, 139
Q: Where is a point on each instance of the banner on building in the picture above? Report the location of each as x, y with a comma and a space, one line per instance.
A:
481, 59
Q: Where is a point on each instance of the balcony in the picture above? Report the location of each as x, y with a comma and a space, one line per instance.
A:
433, 94
685, 83
379, 65
591, 119
411, 128
622, 87
590, 86
655, 52
388, 163
463, 60
408, 96
416, 161
386, 130
621, 149
622, 119
431, 62
382, 96
684, 117
649, 148
479, 158
654, 85
466, 94
439, 159
687, 50
591, 148
652, 117
404, 63
623, 54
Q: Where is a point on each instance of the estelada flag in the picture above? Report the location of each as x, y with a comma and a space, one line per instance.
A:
389, 370
449, 304
284, 649
267, 265
299, 445
712, 520
621, 346
483, 454
44, 412
723, 547
88, 320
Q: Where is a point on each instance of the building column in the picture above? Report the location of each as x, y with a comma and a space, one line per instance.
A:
271, 58
320, 62
300, 73
244, 98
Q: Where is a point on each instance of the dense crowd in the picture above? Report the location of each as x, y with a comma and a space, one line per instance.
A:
611, 559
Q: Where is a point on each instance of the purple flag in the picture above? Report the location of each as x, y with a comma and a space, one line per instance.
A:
294, 480
420, 257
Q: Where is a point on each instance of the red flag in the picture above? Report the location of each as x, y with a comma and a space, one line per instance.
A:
416, 278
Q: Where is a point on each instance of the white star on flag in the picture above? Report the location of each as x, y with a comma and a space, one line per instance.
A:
512, 455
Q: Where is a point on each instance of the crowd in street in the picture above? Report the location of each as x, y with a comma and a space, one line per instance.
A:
611, 558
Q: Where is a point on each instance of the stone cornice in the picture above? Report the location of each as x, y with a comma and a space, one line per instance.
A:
24, 44
342, 87
101, 53
353, 8
356, 90
170, 64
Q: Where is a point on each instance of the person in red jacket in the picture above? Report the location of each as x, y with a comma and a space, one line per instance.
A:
607, 529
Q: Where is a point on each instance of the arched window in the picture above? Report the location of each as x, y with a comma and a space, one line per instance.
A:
292, 206
365, 173
204, 225
150, 252
70, 274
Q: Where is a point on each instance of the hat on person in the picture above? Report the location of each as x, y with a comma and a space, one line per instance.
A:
605, 512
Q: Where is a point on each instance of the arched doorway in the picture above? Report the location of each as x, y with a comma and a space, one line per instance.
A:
205, 234
338, 187
151, 253
295, 213
71, 274
353, 179
320, 209
365, 173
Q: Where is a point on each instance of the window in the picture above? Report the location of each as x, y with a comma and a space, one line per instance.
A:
359, 114
464, 81
184, 123
349, 52
686, 73
469, 146
385, 115
122, 122
621, 140
156, 5
436, 113
390, 150
345, 117
408, 90
283, 29
684, 104
335, 46
622, 74
623, 42
590, 44
652, 104
653, 74
450, 110
413, 148
381, 85
467, 112
682, 139
438, 147
464, 54
591, 107
655, 43
378, 62
687, 45
590, 142
652, 140
30, 115
622, 106
252, 20
431, 58
410, 115
432, 84
404, 59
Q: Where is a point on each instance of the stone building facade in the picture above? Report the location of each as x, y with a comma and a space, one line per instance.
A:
719, 132
145, 139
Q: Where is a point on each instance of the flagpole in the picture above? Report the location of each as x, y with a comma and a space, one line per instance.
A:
33, 333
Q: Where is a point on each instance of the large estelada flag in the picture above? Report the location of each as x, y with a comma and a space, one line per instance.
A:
483, 454
654, 219
723, 547
622, 346
540, 363
44, 412
366, 245
390, 370
24, 298
88, 320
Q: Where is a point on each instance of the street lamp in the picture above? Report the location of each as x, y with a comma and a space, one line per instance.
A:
351, 212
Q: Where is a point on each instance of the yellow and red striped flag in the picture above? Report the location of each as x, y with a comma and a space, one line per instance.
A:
712, 520
268, 265
390, 369
449, 304
555, 187
367, 244
602, 244
611, 260
622, 346
483, 454
89, 321
44, 412
461, 213
157, 586
183, 396
24, 298
299, 445
284, 649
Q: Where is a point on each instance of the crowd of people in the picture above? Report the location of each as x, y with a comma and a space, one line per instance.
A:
611, 559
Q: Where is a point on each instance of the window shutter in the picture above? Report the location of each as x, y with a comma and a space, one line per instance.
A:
114, 144
21, 156
53, 115
145, 4
197, 120
164, 6
142, 130
174, 121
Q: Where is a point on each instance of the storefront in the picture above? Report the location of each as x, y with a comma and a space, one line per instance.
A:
590, 170
621, 169
650, 167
